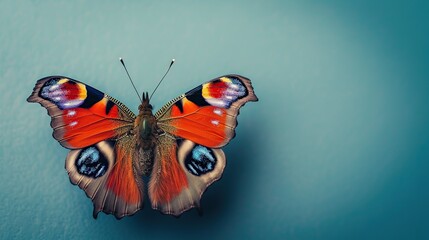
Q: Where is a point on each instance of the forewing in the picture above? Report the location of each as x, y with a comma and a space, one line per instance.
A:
81, 115
207, 114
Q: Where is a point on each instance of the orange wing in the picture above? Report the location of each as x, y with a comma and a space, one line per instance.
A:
181, 173
80, 115
187, 158
167, 178
95, 126
106, 173
207, 114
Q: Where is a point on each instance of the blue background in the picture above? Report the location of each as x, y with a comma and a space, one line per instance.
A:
336, 148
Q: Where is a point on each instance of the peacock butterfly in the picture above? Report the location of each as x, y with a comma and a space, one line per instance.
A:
111, 148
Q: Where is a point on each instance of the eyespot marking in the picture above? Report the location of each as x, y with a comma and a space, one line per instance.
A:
200, 160
64, 93
91, 162
223, 92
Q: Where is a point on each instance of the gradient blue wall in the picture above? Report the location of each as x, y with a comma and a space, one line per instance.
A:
336, 148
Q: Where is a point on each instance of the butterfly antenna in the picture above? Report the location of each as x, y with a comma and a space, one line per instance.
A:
123, 64
171, 64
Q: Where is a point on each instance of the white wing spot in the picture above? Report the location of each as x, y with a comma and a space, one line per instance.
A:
215, 122
218, 111
54, 87
234, 86
71, 113
72, 124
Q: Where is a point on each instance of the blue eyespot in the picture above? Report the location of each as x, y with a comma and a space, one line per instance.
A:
91, 162
200, 160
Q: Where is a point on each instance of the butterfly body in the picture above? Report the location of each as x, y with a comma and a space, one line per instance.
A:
147, 132
112, 149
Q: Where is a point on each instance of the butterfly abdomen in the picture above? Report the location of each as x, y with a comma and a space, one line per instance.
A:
144, 161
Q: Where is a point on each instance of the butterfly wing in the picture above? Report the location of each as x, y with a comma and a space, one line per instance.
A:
106, 173
181, 173
207, 114
196, 125
95, 127
80, 114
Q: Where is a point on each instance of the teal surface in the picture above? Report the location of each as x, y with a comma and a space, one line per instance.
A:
336, 148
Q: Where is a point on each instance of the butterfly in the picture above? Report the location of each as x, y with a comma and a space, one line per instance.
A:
112, 149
